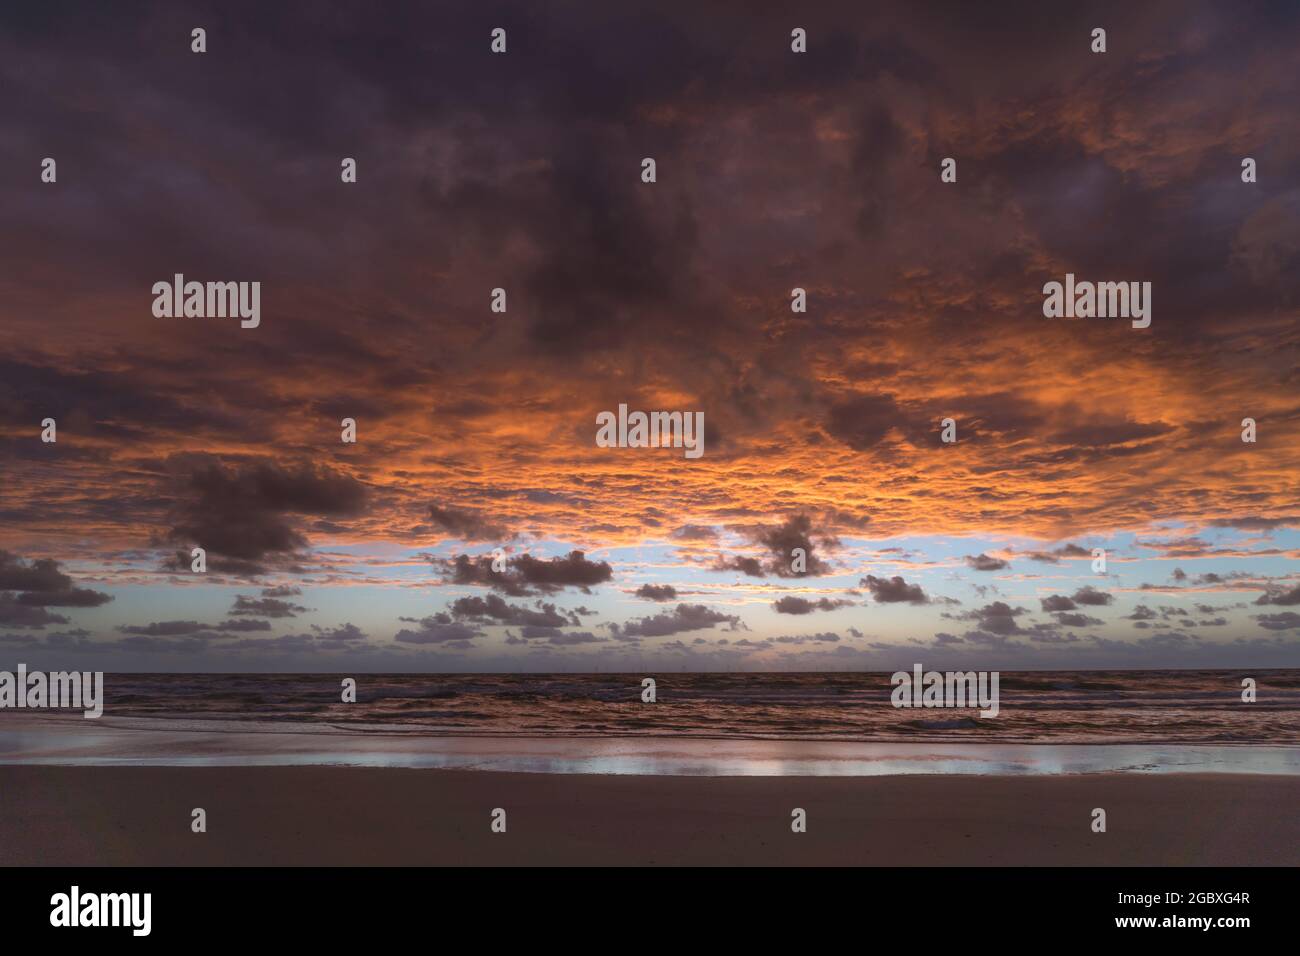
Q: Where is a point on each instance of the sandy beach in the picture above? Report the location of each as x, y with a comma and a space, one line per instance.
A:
332, 816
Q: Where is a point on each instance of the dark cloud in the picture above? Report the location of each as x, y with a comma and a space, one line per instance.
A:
479, 572
42, 574
1053, 637
69, 597
1096, 434
553, 574
13, 614
342, 635
745, 565
246, 513
467, 525
999, 642
42, 584
695, 532
1057, 602
524, 574
179, 628
822, 637
1283, 596
1089, 595
1076, 620
685, 617
781, 542
437, 629
164, 628
242, 625
997, 618
494, 610
894, 590
1054, 556
657, 592
792, 604
108, 403
1281, 621
982, 562
264, 607
282, 591
1255, 523
863, 421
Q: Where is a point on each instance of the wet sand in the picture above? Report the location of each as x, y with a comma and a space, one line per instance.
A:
329, 816
50, 739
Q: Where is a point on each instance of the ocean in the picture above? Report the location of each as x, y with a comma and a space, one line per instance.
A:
1058, 707
795, 724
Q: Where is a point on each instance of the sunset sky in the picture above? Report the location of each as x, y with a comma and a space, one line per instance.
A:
476, 430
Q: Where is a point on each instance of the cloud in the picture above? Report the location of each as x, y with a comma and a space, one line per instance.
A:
282, 591
341, 635
792, 604
1053, 637
40, 583
999, 642
264, 607
863, 421
982, 562
683, 618
1282, 621
437, 629
69, 597
573, 570
525, 575
831, 413
494, 610
1282, 596
1256, 523
164, 628
40, 575
695, 532
467, 525
1055, 556
997, 618
1089, 595
14, 615
241, 625
894, 590
246, 512
745, 565
1076, 620
781, 541
822, 637
656, 592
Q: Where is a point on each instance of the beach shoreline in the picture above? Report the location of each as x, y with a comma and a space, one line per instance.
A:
340, 816
60, 740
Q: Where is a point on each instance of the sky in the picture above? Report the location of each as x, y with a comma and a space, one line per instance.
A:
476, 429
